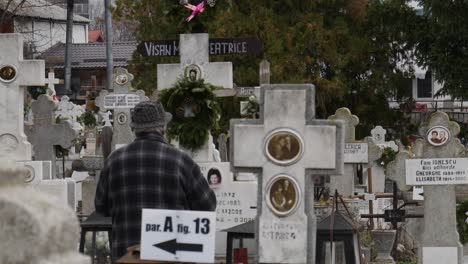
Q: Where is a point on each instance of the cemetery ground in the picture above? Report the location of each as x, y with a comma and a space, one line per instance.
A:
291, 187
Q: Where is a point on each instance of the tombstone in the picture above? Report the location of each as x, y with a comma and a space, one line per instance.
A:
51, 81
355, 152
91, 164
378, 136
236, 201
121, 101
15, 74
284, 146
35, 227
194, 56
378, 173
45, 133
436, 165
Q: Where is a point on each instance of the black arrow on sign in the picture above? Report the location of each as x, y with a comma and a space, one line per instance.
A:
172, 246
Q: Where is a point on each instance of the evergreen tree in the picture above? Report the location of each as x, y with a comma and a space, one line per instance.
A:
348, 49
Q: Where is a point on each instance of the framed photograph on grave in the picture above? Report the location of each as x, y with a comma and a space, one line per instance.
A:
193, 72
284, 147
7, 73
283, 195
214, 177
121, 79
122, 118
438, 135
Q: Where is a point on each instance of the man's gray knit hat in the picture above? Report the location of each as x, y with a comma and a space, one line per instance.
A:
149, 114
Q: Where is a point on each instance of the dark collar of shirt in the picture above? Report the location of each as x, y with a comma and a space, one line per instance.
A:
151, 136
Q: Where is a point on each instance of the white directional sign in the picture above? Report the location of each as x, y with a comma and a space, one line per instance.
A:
437, 171
182, 236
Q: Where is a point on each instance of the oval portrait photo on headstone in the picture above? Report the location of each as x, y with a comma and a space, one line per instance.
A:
121, 79
284, 147
7, 73
214, 177
122, 118
438, 135
283, 195
192, 72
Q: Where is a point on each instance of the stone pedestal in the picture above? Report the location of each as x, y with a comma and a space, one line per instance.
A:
384, 240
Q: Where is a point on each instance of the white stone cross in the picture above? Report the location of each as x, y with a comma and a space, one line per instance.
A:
15, 74
51, 81
363, 152
439, 236
194, 55
45, 133
121, 101
285, 145
378, 136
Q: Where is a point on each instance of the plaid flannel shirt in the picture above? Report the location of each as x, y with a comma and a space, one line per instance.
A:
148, 173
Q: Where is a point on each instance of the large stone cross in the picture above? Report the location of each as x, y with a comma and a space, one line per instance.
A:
362, 152
45, 133
433, 164
194, 58
285, 145
121, 101
15, 74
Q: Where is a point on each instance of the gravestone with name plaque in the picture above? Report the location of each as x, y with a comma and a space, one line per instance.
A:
355, 152
378, 174
286, 146
437, 164
236, 200
121, 101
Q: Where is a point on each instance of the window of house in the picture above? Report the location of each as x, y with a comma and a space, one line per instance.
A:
424, 86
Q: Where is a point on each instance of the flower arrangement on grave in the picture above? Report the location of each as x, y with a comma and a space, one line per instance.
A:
388, 155
252, 108
88, 119
194, 109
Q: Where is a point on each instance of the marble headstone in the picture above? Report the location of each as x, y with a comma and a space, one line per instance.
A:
45, 133
287, 146
121, 101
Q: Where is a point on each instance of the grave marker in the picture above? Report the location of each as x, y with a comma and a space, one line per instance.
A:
364, 152
194, 54
45, 133
236, 201
51, 81
15, 74
285, 145
121, 101
439, 236
194, 57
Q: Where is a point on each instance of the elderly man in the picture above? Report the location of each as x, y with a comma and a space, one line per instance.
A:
148, 173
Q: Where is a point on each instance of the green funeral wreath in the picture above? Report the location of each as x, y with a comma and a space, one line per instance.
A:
191, 132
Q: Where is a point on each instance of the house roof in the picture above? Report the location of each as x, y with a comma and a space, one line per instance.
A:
39, 9
90, 55
95, 36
